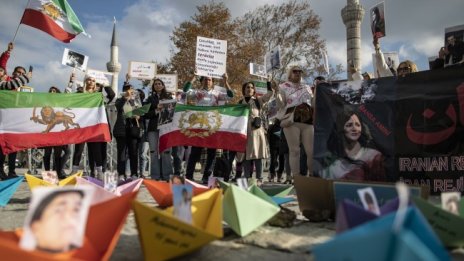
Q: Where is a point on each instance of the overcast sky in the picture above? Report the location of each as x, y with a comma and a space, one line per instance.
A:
415, 29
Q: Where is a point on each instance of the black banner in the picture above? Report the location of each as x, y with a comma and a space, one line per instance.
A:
390, 129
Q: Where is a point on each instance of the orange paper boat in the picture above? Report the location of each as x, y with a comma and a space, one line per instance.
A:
162, 192
163, 236
102, 232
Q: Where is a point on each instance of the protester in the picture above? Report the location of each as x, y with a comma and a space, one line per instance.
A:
294, 101
97, 150
144, 147
353, 156
276, 158
256, 148
57, 151
406, 67
454, 51
127, 132
159, 169
204, 96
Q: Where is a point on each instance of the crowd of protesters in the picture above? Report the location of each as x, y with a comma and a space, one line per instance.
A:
286, 140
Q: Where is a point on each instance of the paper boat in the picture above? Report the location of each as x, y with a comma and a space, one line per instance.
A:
36, 182
163, 236
376, 240
448, 226
350, 214
162, 193
8, 188
244, 212
102, 232
101, 195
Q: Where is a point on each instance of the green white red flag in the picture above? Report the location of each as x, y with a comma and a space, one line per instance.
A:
33, 120
54, 17
221, 127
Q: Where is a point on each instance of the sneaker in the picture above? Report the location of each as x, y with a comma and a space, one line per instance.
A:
12, 175
121, 178
62, 176
134, 177
259, 183
3, 175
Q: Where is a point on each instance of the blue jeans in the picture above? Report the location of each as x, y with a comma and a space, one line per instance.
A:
143, 157
159, 169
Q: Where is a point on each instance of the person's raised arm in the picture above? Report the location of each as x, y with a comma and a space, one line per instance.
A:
225, 79
6, 56
188, 85
382, 68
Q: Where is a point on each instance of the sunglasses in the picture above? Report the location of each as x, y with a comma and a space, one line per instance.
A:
297, 71
404, 69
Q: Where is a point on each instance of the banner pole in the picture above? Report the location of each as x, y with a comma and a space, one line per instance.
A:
17, 28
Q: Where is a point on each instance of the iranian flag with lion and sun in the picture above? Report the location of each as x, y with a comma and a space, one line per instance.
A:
220, 127
34, 120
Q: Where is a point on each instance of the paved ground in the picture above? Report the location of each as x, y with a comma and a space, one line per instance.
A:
266, 243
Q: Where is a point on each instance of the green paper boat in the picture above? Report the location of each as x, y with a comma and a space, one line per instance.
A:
244, 212
448, 226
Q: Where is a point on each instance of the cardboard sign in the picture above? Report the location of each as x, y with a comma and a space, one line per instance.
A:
211, 57
101, 77
141, 70
74, 59
170, 81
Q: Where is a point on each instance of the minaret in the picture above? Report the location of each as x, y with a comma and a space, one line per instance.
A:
113, 65
352, 15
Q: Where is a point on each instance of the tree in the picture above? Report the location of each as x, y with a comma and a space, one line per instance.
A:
294, 27
213, 20
291, 25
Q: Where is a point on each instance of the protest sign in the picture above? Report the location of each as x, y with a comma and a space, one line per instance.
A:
50, 177
257, 70
142, 70
170, 81
211, 57
182, 198
272, 59
391, 59
414, 129
166, 112
74, 59
378, 20
101, 77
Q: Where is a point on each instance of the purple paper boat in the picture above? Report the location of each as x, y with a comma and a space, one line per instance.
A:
350, 214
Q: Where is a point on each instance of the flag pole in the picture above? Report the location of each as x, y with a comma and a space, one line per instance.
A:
17, 28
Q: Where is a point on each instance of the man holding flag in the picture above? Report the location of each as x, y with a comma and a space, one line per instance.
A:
204, 96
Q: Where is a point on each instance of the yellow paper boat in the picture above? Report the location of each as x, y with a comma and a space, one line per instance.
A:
33, 182
163, 236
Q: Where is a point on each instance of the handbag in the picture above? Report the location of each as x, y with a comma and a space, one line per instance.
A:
256, 123
135, 131
287, 119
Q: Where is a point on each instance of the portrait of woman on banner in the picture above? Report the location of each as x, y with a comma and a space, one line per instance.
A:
353, 155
